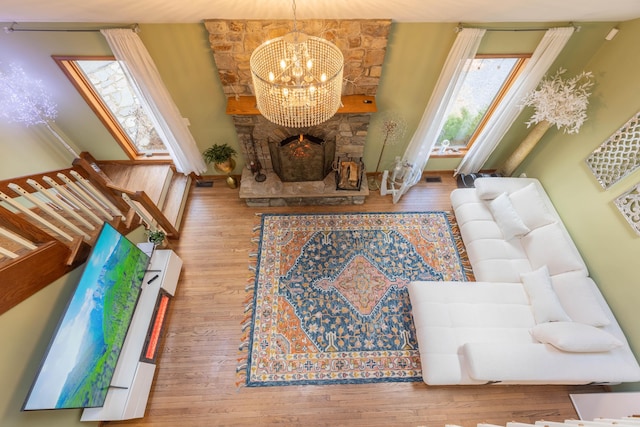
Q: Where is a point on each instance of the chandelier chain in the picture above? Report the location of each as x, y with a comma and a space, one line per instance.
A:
293, 7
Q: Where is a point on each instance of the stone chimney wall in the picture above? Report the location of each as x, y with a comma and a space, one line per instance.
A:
363, 44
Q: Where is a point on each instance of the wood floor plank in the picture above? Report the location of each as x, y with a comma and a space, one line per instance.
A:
196, 383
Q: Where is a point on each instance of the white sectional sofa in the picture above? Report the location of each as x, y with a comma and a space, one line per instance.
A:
533, 315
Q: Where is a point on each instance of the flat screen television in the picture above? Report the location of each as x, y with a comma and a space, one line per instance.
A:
79, 363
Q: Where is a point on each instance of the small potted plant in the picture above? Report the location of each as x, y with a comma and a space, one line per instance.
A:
221, 155
156, 236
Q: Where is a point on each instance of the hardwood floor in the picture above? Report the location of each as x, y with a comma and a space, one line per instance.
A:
196, 383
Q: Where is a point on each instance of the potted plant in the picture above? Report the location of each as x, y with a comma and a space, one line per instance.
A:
156, 236
221, 155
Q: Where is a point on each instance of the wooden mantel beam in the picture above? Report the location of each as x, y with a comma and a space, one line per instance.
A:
351, 104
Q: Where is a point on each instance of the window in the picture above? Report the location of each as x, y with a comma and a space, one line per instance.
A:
489, 77
104, 85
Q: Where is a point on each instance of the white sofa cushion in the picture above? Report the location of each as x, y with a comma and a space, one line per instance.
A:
549, 246
488, 188
531, 207
544, 302
578, 295
448, 314
496, 260
575, 337
535, 363
492, 342
508, 220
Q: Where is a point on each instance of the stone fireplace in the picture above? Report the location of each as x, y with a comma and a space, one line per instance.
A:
363, 44
302, 158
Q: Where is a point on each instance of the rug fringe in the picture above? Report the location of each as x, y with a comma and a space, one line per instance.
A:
462, 250
247, 303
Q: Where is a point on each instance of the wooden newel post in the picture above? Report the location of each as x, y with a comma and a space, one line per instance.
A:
525, 147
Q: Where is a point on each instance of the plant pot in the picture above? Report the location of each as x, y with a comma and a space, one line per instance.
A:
225, 167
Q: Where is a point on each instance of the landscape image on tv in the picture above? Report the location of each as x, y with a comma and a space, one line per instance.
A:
82, 355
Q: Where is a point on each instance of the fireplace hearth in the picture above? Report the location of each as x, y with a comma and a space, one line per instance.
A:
279, 151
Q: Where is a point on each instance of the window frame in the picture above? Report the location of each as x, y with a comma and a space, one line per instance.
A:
77, 77
517, 70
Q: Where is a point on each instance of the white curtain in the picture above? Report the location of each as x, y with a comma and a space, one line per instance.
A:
171, 126
501, 120
447, 87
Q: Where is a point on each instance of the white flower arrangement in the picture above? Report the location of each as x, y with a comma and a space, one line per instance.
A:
562, 103
23, 99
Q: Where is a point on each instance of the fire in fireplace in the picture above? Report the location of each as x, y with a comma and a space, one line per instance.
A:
302, 158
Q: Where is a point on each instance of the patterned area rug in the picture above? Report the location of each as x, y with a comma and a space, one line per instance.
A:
329, 303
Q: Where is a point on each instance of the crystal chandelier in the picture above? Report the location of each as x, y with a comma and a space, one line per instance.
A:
297, 78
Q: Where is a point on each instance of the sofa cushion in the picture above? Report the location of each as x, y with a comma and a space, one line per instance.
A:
507, 218
479, 332
475, 230
488, 188
496, 260
522, 363
578, 295
470, 212
531, 207
575, 337
549, 246
544, 302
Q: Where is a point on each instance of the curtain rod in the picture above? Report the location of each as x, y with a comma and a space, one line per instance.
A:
461, 26
12, 29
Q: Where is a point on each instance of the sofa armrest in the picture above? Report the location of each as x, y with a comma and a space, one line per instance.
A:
537, 363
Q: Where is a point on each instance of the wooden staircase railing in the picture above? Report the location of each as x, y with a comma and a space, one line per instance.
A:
48, 223
46, 259
143, 205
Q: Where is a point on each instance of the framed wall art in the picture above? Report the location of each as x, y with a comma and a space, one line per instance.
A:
619, 155
629, 205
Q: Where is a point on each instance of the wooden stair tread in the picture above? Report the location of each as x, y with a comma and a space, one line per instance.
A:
177, 193
151, 179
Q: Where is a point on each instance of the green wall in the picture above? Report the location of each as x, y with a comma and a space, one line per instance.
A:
32, 51
580, 48
608, 244
415, 55
184, 59
25, 331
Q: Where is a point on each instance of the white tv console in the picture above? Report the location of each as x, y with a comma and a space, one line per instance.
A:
131, 384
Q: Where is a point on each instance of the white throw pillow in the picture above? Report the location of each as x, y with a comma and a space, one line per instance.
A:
575, 337
531, 207
489, 188
545, 304
548, 246
577, 294
507, 218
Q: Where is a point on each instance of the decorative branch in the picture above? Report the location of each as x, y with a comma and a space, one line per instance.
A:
563, 103
393, 128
